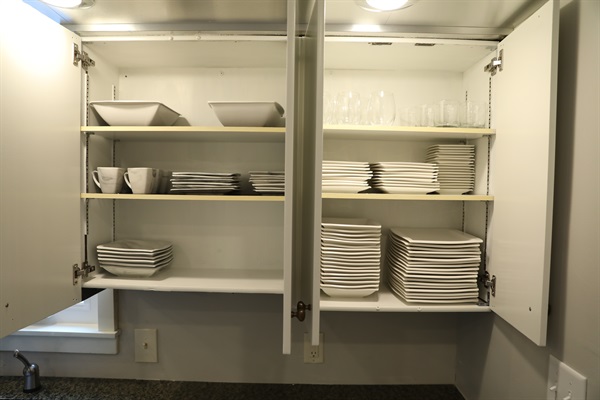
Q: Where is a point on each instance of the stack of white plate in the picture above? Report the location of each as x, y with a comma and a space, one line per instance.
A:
140, 258
405, 177
267, 182
433, 265
456, 163
345, 176
350, 257
204, 182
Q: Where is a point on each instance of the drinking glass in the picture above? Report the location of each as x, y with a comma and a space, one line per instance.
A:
449, 113
381, 109
473, 114
348, 108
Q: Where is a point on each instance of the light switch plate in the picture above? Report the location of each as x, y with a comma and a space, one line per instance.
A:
564, 382
145, 345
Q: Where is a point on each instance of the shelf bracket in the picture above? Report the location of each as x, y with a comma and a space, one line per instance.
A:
84, 271
80, 55
301, 309
496, 64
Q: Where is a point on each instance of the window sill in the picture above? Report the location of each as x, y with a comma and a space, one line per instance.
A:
82, 338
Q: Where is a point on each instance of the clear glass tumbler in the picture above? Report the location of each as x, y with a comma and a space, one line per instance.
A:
381, 108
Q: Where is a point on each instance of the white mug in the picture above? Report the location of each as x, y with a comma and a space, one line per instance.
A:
140, 180
109, 179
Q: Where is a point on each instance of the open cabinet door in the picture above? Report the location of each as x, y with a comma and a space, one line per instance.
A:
303, 164
290, 266
40, 231
524, 114
313, 87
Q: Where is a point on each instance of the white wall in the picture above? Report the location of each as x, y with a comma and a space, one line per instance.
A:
495, 361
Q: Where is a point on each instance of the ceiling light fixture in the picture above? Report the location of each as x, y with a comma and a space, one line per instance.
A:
384, 5
70, 3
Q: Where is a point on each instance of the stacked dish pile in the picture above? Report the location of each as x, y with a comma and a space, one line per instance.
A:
267, 182
138, 258
456, 163
350, 257
345, 176
433, 265
205, 182
405, 177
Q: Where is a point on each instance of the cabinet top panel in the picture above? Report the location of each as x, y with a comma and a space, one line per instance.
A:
483, 18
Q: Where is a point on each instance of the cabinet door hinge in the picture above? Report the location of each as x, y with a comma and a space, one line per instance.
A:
301, 309
496, 64
82, 56
84, 271
489, 282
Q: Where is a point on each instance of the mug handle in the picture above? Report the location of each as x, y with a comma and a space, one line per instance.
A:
126, 177
95, 178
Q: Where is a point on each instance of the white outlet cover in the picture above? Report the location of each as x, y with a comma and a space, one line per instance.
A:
313, 354
564, 382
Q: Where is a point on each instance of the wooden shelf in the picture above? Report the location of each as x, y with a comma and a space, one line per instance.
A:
258, 198
184, 197
195, 280
385, 301
416, 197
188, 133
364, 132
265, 134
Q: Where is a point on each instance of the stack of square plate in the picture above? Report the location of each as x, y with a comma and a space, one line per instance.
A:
350, 257
268, 182
205, 182
139, 258
345, 176
456, 163
433, 265
405, 177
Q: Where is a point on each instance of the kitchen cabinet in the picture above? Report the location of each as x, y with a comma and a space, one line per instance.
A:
270, 244
511, 207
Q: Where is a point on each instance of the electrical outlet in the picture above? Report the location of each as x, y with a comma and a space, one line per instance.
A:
564, 382
313, 354
145, 345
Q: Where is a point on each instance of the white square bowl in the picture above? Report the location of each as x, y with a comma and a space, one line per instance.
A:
134, 113
248, 113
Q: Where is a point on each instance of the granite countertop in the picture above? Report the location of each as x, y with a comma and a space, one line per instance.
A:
112, 389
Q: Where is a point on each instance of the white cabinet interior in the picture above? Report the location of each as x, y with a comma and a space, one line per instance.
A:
222, 243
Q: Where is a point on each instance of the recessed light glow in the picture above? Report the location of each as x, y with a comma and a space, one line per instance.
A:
365, 28
70, 3
385, 5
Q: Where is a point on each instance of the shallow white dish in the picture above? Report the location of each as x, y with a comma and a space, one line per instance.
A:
134, 272
142, 246
248, 113
341, 292
133, 264
134, 113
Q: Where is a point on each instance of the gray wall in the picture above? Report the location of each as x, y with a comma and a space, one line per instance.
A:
496, 362
237, 338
